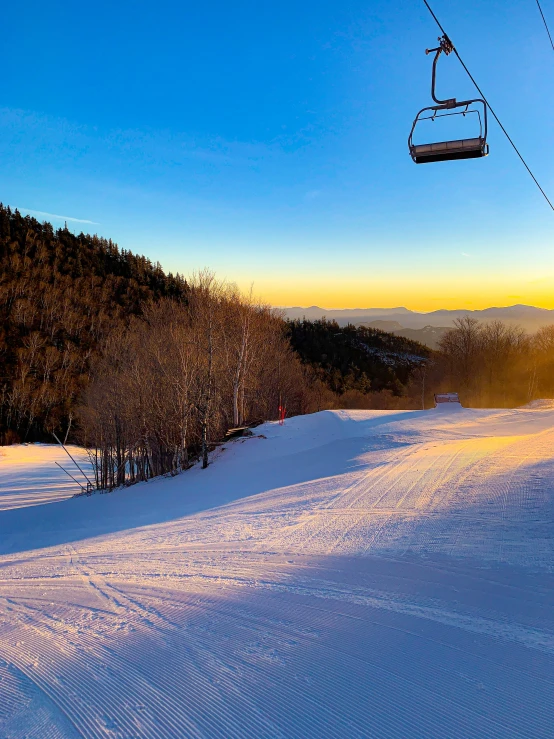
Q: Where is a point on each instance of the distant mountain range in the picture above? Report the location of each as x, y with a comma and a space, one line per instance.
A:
527, 316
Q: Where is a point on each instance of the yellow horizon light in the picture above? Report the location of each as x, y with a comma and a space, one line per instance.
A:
424, 296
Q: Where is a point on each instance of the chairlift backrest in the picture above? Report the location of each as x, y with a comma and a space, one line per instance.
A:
440, 151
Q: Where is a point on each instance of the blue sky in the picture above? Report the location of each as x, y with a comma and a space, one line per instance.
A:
268, 142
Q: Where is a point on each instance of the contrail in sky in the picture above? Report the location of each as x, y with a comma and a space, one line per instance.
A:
59, 218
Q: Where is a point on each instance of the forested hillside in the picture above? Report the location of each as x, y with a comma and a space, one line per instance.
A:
60, 296
77, 318
356, 358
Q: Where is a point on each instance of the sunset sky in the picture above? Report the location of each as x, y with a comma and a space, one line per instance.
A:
267, 141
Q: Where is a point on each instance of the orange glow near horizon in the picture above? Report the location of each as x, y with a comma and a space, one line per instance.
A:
415, 294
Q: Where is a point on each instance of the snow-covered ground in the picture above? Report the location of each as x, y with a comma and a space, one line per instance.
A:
29, 474
350, 574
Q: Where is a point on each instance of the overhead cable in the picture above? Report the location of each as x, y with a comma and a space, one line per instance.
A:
490, 108
545, 24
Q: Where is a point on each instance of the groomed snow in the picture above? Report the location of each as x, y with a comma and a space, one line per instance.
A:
30, 476
350, 574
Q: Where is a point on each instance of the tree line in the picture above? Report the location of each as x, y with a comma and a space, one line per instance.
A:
169, 386
150, 370
490, 365
495, 364
165, 389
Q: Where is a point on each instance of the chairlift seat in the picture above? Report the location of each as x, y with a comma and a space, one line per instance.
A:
444, 151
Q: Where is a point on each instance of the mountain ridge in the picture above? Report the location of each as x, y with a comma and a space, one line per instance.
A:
530, 317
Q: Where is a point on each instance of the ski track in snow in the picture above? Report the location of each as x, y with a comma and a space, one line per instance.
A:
353, 574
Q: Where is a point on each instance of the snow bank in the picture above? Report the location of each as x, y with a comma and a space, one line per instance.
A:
546, 404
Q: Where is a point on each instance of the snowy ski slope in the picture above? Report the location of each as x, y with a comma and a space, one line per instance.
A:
351, 574
30, 476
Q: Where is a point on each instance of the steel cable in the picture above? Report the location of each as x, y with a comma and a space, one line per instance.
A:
490, 108
545, 24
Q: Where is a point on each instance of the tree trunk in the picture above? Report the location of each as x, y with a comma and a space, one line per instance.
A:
205, 441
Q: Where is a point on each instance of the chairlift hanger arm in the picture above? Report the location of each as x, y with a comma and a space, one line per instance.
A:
446, 46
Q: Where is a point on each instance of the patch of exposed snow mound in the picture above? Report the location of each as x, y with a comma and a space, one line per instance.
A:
448, 407
543, 404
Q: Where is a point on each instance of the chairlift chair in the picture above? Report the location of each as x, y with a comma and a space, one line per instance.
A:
442, 151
